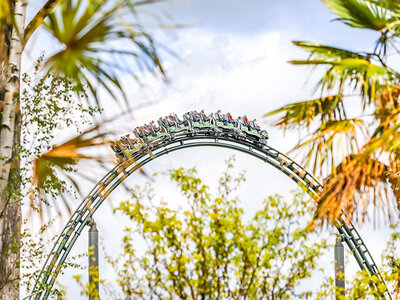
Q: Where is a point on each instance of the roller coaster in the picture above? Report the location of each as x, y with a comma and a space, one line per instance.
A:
172, 134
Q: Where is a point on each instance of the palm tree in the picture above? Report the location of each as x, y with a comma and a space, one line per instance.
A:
352, 129
89, 33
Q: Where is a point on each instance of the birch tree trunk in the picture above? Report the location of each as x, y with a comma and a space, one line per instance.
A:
10, 208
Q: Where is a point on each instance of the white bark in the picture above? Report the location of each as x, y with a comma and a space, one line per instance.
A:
10, 211
10, 105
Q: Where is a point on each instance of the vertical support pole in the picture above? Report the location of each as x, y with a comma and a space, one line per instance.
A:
93, 261
339, 269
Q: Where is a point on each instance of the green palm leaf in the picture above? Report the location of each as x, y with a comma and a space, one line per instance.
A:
331, 142
328, 53
361, 14
349, 69
299, 114
360, 157
91, 34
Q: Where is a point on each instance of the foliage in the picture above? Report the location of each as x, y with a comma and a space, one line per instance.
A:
34, 250
206, 249
358, 287
100, 39
353, 145
48, 106
95, 42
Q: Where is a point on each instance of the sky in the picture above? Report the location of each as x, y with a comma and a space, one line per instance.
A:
230, 55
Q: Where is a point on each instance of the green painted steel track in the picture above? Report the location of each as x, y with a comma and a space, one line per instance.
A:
188, 139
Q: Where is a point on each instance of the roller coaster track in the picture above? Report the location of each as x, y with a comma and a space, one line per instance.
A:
188, 139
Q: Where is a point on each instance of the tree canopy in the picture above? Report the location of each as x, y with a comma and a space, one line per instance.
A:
351, 130
207, 249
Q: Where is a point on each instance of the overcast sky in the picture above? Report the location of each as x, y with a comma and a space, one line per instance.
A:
232, 57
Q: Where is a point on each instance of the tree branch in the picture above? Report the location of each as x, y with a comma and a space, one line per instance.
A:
38, 19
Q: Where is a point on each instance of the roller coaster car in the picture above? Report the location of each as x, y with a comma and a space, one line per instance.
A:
199, 122
159, 134
183, 122
118, 152
227, 125
260, 136
180, 125
132, 146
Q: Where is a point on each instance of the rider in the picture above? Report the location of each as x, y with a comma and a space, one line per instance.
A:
221, 117
154, 126
128, 141
231, 119
177, 120
141, 131
145, 129
171, 121
246, 122
196, 117
204, 116
256, 127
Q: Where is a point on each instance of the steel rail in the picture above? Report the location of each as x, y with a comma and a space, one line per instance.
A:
188, 139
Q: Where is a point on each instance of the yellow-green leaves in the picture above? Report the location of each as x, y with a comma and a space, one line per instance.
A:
206, 248
349, 71
300, 114
361, 13
97, 45
349, 135
328, 53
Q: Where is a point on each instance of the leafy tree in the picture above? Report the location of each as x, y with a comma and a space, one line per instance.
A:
89, 35
355, 150
207, 249
358, 287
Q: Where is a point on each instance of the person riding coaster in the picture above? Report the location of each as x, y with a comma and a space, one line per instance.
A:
118, 151
179, 121
205, 118
129, 143
129, 146
172, 123
149, 132
199, 120
252, 129
225, 120
227, 124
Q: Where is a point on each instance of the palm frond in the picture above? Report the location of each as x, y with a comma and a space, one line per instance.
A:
385, 140
91, 33
393, 5
330, 143
51, 169
38, 19
361, 13
299, 114
346, 69
328, 53
360, 182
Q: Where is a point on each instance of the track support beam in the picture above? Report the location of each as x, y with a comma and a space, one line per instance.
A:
93, 261
339, 269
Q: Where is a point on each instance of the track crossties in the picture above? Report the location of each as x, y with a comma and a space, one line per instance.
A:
172, 134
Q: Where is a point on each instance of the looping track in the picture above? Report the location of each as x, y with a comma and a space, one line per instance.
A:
187, 139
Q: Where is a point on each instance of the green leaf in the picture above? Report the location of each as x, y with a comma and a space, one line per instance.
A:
91, 34
328, 53
351, 70
360, 13
300, 114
